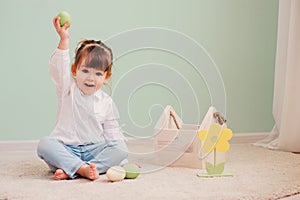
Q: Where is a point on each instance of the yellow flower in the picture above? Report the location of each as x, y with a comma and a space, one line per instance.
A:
215, 137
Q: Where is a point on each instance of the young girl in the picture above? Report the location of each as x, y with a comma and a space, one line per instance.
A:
87, 139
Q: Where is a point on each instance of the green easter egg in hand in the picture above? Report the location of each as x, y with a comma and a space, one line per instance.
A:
64, 18
132, 171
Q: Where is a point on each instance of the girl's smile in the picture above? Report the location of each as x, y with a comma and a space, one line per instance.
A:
89, 80
89, 85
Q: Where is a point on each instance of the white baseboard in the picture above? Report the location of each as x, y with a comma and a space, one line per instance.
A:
248, 138
31, 145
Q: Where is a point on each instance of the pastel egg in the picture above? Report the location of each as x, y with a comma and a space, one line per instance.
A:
64, 18
116, 173
132, 171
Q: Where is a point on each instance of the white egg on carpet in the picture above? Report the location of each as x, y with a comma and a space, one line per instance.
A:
116, 173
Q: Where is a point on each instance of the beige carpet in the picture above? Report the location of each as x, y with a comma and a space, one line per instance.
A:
258, 174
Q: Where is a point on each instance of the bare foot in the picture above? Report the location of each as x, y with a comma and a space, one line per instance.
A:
60, 175
88, 171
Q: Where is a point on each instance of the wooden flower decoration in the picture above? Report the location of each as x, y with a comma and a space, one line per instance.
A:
215, 139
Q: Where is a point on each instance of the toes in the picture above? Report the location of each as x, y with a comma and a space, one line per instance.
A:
60, 175
93, 172
93, 166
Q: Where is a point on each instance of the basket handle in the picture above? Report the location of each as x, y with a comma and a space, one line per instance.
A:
175, 120
219, 118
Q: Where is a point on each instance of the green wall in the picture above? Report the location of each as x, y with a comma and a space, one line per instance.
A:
238, 35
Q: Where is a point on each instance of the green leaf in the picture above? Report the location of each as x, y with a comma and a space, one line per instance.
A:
209, 168
218, 169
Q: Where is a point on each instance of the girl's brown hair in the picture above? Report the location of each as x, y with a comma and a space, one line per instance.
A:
97, 55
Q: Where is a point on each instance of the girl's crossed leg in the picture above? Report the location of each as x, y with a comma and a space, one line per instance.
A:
88, 161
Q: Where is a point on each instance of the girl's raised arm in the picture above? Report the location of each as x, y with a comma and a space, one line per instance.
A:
63, 33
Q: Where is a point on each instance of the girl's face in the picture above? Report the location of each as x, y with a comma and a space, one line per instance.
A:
90, 80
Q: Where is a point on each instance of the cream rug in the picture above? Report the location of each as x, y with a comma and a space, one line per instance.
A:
258, 174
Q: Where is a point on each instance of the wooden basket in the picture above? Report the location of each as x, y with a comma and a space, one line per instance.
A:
177, 144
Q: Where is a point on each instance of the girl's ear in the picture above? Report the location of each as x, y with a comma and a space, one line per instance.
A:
73, 70
107, 76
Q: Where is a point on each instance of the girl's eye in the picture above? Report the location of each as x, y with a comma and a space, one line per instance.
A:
99, 74
85, 71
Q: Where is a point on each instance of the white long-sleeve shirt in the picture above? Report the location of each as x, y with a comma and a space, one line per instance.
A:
81, 119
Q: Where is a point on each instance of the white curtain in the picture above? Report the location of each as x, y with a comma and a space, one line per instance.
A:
286, 104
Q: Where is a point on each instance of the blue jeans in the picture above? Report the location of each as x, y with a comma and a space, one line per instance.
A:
70, 158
